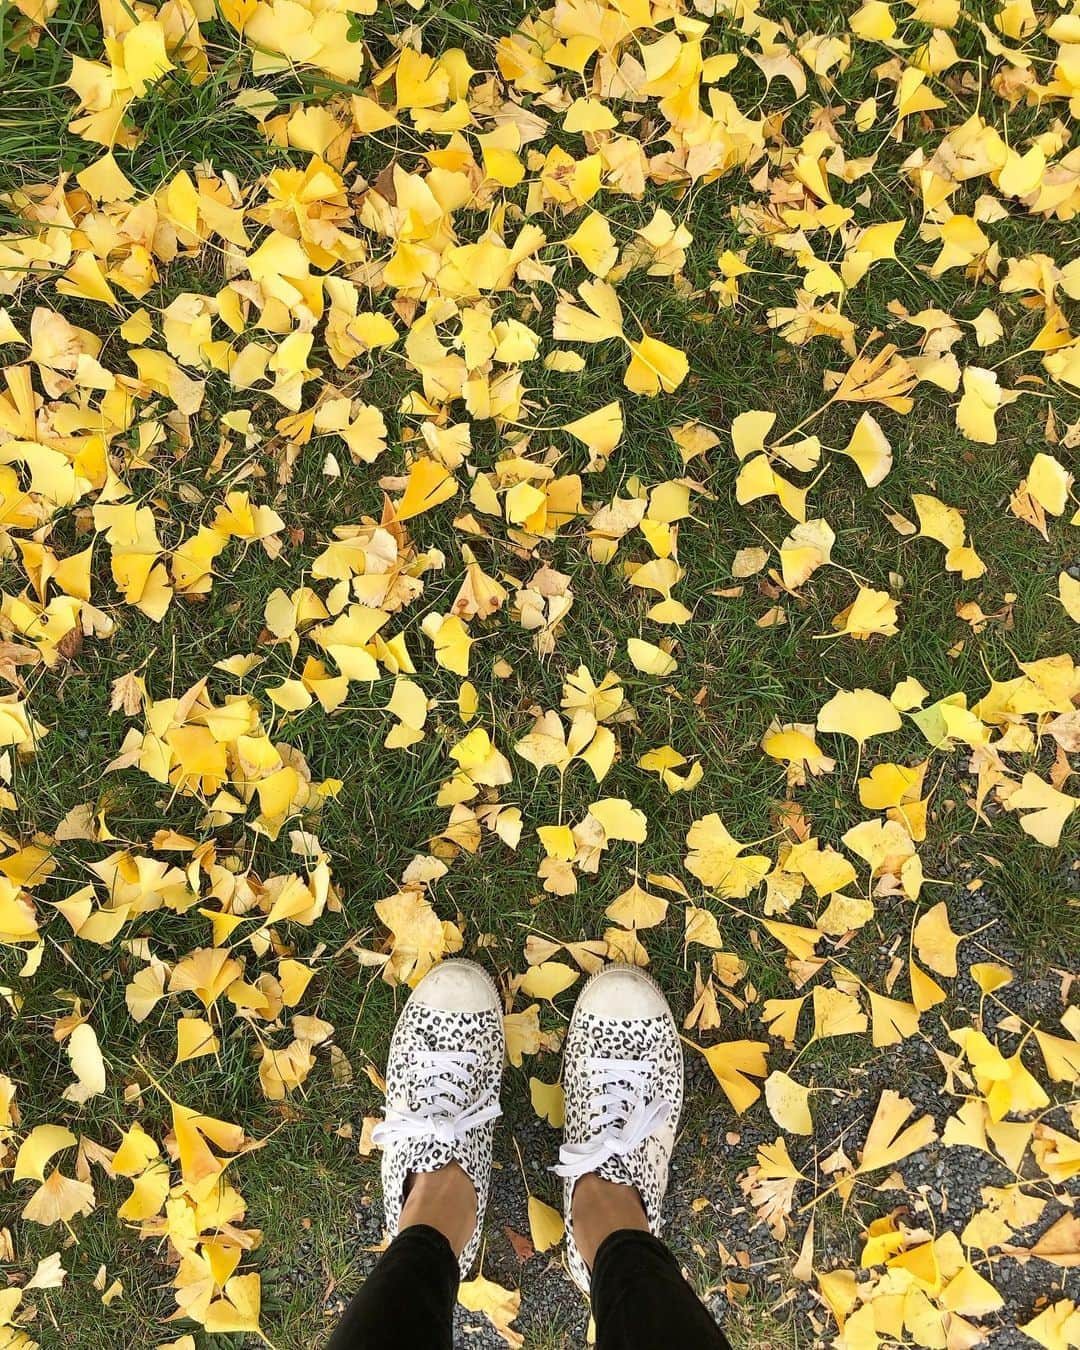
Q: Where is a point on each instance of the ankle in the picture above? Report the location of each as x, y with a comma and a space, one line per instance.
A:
601, 1208
444, 1200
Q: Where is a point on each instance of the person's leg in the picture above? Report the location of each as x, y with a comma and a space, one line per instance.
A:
408, 1299
639, 1297
623, 1081
407, 1302
442, 1100
601, 1208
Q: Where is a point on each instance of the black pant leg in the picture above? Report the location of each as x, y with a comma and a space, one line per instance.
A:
641, 1301
407, 1302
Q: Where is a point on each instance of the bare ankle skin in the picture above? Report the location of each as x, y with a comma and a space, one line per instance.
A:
602, 1208
444, 1200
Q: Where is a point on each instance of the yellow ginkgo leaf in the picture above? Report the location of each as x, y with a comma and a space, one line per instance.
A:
748, 562
825, 868
545, 1225
788, 1103
837, 1013
594, 244
734, 1063
498, 1304
870, 449
883, 377
887, 1141
845, 913
936, 942
194, 1132
602, 320
718, 861
757, 478
567, 363
148, 1193
146, 989
873, 21
890, 784
207, 973
990, 975
37, 1148
664, 761
840, 1292
522, 1034
636, 908
872, 613
654, 367
702, 926
144, 55
970, 1294
1021, 173
430, 484
892, 1020
648, 658
885, 846
619, 819
925, 992
86, 1063
409, 705
419, 937
858, 713
1048, 809
294, 978
1056, 1327
1004, 1081
1069, 595
238, 1309
1049, 482
194, 1037
58, 1200
808, 547
1061, 1056
800, 942
977, 410
548, 1102
781, 1016
136, 1152
908, 694
548, 979
105, 181
49, 1274
797, 746
938, 521
451, 640
600, 431
588, 114
961, 241
749, 431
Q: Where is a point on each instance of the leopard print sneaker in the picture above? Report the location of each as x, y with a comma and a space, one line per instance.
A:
443, 1078
623, 1080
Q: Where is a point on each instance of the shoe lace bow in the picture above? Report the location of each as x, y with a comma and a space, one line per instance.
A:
443, 1111
624, 1114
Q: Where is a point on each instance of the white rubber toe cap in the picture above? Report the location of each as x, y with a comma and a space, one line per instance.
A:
622, 993
457, 986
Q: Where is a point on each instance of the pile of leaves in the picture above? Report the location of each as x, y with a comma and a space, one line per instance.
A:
386, 294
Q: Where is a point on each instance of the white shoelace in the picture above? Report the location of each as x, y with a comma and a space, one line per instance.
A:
623, 1116
441, 1113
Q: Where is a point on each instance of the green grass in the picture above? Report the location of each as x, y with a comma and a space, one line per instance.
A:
304, 1188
